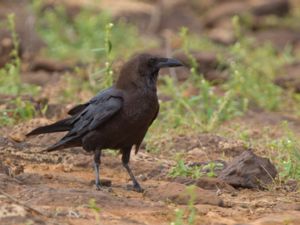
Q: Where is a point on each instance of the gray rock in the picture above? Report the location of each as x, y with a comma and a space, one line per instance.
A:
249, 171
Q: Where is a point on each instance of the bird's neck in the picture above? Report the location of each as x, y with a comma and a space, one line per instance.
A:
147, 85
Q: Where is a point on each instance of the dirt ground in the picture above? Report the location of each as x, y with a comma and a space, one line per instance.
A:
58, 188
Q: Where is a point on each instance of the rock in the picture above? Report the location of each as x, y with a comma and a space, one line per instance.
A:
18, 137
280, 38
222, 36
267, 7
50, 65
178, 193
290, 78
25, 23
223, 10
11, 210
249, 171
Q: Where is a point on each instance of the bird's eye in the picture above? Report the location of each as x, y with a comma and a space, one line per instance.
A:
152, 62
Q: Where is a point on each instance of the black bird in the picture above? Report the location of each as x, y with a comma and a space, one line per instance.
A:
116, 118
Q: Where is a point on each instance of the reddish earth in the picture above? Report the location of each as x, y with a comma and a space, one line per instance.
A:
59, 185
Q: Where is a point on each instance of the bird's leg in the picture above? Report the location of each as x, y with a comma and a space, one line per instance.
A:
97, 161
125, 161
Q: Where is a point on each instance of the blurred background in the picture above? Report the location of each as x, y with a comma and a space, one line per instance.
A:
240, 86
251, 47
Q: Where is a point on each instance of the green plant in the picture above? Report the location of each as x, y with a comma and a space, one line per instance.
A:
10, 84
253, 70
91, 81
182, 170
190, 211
84, 36
95, 209
10, 81
211, 166
288, 154
204, 110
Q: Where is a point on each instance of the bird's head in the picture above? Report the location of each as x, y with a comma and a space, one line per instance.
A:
142, 70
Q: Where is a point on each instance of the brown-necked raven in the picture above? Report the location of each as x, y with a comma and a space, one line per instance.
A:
116, 118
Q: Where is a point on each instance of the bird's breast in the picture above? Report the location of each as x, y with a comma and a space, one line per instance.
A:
141, 108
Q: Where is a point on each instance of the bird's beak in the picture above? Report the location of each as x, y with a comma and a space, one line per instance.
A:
168, 62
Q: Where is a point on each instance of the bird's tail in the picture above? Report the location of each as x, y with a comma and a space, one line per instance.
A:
60, 126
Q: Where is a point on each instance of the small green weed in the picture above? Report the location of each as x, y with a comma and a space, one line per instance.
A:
84, 37
288, 154
180, 217
95, 209
11, 85
182, 170
253, 70
10, 81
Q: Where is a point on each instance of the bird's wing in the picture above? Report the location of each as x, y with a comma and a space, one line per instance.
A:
79, 108
97, 112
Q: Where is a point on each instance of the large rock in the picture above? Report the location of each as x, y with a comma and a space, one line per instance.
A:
249, 171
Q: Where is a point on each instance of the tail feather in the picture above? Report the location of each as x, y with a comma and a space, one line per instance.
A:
60, 126
65, 142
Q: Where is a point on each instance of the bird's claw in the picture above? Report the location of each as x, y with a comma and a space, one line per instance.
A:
136, 187
98, 185
98, 188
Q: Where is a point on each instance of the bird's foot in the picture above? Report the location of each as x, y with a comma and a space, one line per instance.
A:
98, 185
135, 187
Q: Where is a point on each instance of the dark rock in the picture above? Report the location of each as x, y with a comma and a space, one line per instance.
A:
50, 65
249, 171
270, 7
